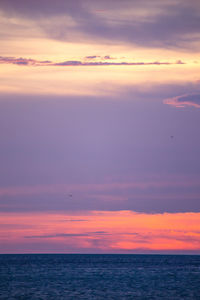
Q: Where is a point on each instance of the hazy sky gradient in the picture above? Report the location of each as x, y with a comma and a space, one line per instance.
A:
99, 115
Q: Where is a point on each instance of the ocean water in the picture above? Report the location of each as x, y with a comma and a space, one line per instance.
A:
77, 276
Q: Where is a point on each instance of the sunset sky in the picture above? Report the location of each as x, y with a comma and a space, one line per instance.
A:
100, 126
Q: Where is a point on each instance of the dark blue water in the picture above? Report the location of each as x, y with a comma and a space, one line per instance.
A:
60, 276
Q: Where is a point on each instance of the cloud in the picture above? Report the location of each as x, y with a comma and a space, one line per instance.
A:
46, 236
92, 57
22, 61
32, 62
57, 235
184, 100
146, 23
103, 63
100, 232
108, 57
107, 231
75, 220
98, 56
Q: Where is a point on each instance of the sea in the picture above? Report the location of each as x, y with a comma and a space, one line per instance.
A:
99, 276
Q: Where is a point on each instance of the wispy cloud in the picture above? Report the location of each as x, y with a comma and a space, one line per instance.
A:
92, 57
106, 57
134, 238
146, 23
184, 100
23, 61
57, 235
149, 195
32, 62
104, 63
75, 220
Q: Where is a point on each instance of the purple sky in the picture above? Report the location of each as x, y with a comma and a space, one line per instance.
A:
74, 141
100, 116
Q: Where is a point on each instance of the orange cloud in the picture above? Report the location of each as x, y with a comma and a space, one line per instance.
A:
99, 231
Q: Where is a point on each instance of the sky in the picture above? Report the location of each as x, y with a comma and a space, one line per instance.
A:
99, 126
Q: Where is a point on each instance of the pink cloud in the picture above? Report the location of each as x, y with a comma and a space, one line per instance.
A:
184, 100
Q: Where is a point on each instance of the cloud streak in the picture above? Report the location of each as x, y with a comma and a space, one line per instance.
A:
184, 101
106, 57
58, 235
23, 61
32, 62
157, 24
100, 63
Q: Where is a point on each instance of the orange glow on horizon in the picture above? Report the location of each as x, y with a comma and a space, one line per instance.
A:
102, 231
